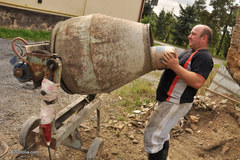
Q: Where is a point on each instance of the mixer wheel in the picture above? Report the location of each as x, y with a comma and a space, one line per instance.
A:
95, 149
27, 127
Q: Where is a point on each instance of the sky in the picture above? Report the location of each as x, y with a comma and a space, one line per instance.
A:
169, 5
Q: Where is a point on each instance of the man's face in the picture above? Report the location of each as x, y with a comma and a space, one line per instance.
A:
195, 38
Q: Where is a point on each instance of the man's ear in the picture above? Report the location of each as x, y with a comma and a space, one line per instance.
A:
206, 38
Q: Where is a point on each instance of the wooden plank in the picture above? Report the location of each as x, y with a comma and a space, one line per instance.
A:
231, 99
70, 106
74, 122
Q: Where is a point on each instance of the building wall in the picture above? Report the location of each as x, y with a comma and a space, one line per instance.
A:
233, 58
127, 9
30, 14
63, 7
17, 18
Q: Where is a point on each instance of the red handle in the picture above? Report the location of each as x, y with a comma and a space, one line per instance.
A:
16, 52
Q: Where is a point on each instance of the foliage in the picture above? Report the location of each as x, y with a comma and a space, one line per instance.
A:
222, 15
201, 11
25, 34
147, 10
226, 44
185, 21
164, 25
161, 26
152, 20
170, 20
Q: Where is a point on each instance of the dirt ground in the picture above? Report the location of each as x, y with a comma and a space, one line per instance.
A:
210, 131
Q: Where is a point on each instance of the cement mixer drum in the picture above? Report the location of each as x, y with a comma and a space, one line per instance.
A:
101, 53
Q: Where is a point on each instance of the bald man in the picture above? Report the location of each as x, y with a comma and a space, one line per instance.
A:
178, 85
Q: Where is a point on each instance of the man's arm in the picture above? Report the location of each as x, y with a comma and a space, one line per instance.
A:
190, 78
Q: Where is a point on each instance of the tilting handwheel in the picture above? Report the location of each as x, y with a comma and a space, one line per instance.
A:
27, 127
95, 149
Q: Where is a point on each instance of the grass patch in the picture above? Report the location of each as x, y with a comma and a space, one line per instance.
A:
134, 94
157, 74
121, 117
156, 44
202, 91
31, 35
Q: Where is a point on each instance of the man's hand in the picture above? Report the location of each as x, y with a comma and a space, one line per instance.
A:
170, 59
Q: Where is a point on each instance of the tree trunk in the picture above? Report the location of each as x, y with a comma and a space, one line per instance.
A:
225, 54
166, 39
222, 38
224, 32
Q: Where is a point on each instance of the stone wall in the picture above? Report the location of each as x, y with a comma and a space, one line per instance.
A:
17, 18
233, 58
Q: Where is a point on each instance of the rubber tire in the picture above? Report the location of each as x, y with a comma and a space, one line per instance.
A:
95, 149
27, 127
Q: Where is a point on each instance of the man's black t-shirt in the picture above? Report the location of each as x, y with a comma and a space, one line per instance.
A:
171, 88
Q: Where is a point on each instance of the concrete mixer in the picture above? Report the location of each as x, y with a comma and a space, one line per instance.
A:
86, 55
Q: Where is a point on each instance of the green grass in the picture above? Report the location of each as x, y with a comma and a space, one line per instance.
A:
31, 35
121, 117
157, 74
134, 94
202, 91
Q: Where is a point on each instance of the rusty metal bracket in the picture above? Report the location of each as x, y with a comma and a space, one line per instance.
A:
42, 64
54, 69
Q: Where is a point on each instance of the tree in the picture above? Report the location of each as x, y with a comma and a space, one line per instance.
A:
185, 21
201, 11
228, 35
170, 20
226, 43
147, 9
223, 10
152, 20
161, 25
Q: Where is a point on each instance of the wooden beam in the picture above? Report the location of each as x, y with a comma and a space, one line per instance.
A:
231, 99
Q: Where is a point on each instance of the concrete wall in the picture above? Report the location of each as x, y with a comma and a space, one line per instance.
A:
56, 7
17, 18
30, 14
233, 58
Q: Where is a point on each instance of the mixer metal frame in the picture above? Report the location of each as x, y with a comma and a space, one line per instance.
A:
65, 126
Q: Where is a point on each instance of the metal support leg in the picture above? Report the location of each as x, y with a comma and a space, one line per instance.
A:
98, 120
